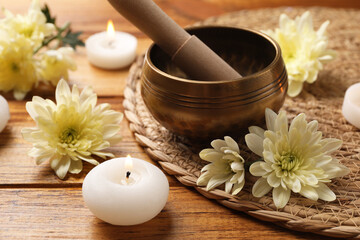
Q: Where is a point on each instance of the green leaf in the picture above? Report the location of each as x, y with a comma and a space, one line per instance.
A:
72, 39
63, 34
46, 11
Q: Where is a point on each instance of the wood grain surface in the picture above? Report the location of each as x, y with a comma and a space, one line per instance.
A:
35, 204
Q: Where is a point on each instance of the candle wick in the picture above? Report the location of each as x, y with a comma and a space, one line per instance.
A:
128, 174
111, 43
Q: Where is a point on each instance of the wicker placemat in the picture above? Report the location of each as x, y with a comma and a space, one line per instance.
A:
320, 101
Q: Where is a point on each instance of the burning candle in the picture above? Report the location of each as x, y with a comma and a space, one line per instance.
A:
125, 191
351, 105
4, 113
111, 49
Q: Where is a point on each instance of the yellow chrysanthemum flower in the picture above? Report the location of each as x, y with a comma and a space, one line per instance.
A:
303, 49
54, 64
296, 159
17, 66
32, 26
226, 166
71, 130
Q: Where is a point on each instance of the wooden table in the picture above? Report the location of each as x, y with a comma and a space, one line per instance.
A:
35, 204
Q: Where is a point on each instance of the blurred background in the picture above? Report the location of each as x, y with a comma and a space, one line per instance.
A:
90, 16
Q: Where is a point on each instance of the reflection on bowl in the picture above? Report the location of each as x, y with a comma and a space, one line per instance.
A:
202, 109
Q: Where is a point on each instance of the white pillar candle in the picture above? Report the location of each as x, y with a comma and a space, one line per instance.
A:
351, 105
4, 113
111, 50
125, 191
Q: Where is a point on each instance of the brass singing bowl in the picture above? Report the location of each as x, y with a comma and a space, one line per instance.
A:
201, 109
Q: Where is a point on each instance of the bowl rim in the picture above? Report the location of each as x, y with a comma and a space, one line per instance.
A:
251, 76
280, 82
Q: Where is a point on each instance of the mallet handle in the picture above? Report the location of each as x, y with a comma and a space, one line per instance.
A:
188, 52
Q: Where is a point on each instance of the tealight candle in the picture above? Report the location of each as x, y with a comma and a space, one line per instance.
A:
351, 105
125, 191
110, 49
4, 113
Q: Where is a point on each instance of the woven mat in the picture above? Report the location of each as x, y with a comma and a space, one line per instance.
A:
320, 101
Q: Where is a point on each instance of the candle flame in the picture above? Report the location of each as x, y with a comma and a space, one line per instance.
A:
110, 31
128, 163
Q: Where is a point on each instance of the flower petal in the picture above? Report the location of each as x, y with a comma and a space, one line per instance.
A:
273, 180
257, 130
272, 136
34, 105
311, 179
330, 145
281, 196
309, 192
296, 187
218, 144
27, 133
315, 139
281, 123
298, 123
203, 179
334, 170
325, 193
89, 98
62, 167
305, 23
238, 187
268, 155
210, 155
75, 166
89, 160
19, 95
232, 144
238, 177
313, 126
114, 139
283, 21
217, 180
254, 143
267, 166
62, 92
103, 155
261, 187
43, 155
237, 166
231, 157
206, 150
110, 130
323, 161
294, 89
270, 117
321, 31
228, 186
256, 169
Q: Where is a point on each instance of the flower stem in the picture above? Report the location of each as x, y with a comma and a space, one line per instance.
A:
58, 36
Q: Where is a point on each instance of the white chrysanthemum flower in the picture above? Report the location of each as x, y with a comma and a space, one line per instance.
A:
295, 159
17, 66
32, 26
72, 130
54, 64
227, 166
303, 49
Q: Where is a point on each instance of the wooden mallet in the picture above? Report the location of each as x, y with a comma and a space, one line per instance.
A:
188, 52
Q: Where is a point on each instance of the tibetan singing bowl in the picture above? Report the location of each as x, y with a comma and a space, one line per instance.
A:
201, 109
